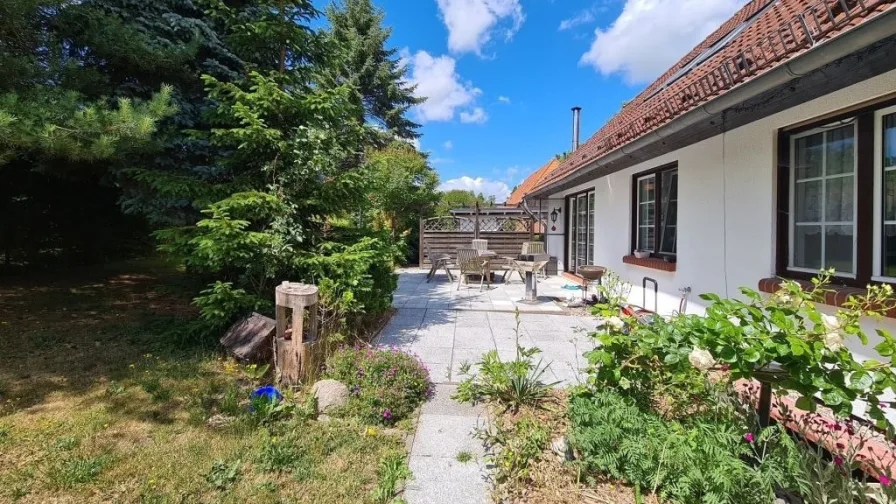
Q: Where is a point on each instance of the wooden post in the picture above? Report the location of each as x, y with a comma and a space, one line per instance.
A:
476, 223
291, 356
420, 247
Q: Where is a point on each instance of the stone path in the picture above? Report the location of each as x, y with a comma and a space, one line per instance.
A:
445, 329
444, 430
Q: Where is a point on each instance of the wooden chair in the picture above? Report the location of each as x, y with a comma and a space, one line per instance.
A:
531, 247
480, 245
537, 248
437, 261
469, 263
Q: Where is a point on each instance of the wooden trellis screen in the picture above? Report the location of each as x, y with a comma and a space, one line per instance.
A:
444, 235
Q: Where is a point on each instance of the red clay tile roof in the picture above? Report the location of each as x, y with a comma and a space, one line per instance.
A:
532, 182
778, 34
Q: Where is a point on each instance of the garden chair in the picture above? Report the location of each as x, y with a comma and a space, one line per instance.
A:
436, 262
480, 245
537, 248
469, 263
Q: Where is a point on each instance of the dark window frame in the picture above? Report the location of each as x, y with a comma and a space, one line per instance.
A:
865, 218
658, 213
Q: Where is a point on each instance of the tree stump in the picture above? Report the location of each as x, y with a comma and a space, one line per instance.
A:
292, 345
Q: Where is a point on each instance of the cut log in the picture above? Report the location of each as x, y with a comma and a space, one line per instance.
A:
250, 339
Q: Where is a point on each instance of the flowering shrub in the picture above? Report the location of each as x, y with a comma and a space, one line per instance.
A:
385, 386
660, 390
745, 337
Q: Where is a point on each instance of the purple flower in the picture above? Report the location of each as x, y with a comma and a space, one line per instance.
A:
885, 481
748, 437
387, 414
838, 461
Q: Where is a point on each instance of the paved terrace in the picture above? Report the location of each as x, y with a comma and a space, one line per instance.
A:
447, 327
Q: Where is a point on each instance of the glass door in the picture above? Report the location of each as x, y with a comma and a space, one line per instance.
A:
581, 231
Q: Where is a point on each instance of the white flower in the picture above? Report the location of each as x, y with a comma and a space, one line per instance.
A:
784, 299
831, 323
833, 340
701, 359
734, 320
616, 323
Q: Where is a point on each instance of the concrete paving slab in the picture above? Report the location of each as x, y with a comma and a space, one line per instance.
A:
446, 481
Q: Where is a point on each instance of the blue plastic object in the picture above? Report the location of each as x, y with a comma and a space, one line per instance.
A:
268, 392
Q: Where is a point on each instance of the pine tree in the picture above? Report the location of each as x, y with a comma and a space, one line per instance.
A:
374, 69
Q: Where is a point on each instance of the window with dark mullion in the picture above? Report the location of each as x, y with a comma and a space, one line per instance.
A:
655, 212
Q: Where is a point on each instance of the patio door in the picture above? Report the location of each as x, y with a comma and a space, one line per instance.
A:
580, 231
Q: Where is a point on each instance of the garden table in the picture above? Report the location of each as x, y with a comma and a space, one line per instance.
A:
530, 268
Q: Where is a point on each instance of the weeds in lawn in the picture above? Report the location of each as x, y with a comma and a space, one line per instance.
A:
393, 470
71, 472
223, 475
513, 384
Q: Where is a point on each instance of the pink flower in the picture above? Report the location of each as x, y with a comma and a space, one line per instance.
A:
387, 414
748, 437
838, 461
885, 481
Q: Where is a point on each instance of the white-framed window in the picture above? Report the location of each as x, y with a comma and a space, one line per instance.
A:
655, 212
646, 237
884, 266
823, 199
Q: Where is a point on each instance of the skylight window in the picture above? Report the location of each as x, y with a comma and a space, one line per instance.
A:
713, 49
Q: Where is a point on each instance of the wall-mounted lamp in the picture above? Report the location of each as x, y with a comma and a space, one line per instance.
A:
554, 214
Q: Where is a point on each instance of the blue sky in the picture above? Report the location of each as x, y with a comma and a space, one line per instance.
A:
502, 75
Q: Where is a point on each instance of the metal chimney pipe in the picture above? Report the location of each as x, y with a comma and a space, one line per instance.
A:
576, 114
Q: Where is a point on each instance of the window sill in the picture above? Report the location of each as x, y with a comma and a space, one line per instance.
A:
650, 262
835, 295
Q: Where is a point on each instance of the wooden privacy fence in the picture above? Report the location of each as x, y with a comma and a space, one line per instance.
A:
444, 235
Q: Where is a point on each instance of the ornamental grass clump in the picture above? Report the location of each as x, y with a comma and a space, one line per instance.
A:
385, 385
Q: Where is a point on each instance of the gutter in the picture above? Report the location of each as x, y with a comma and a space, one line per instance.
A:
874, 30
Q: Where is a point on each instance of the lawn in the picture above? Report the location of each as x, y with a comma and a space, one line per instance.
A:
106, 397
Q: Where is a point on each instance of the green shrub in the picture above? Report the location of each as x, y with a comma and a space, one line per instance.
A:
385, 385
514, 444
702, 461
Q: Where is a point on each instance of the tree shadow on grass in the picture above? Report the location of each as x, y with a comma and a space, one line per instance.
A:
71, 334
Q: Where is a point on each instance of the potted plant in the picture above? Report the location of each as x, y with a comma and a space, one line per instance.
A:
642, 254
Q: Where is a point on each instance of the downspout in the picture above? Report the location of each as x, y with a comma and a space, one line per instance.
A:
875, 30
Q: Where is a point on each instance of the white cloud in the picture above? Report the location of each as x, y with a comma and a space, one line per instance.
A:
651, 35
477, 115
471, 23
496, 188
437, 80
448, 145
584, 17
504, 99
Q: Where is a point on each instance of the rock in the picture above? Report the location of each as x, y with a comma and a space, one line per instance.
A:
560, 447
251, 339
329, 394
219, 420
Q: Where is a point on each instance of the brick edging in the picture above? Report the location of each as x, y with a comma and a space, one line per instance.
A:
650, 262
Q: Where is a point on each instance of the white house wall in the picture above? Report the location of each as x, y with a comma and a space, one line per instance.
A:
726, 207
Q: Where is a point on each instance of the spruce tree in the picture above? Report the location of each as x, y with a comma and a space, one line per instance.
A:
375, 70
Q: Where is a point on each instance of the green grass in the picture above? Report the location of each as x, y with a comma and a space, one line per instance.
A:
106, 396
464, 456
